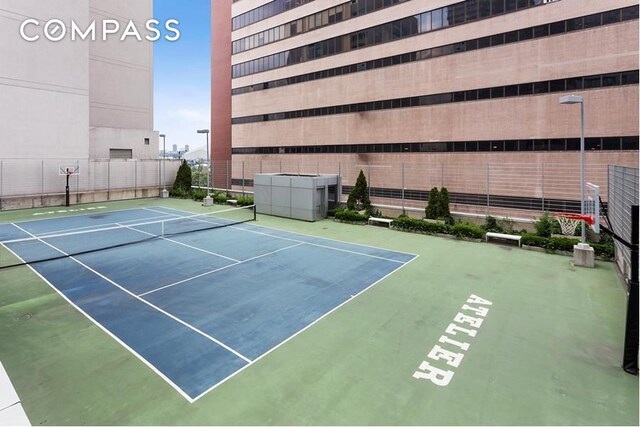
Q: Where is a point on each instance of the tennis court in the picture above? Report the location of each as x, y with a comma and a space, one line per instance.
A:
196, 297
136, 334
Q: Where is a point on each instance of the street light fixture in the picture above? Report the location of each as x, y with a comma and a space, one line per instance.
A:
207, 200
165, 193
575, 99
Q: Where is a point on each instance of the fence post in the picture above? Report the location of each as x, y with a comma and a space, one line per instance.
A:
318, 168
109, 179
42, 182
488, 178
543, 187
78, 181
403, 210
243, 177
441, 175
228, 177
280, 166
1, 182
339, 189
630, 358
135, 179
369, 179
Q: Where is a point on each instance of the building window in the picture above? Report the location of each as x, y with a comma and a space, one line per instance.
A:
147, 141
120, 153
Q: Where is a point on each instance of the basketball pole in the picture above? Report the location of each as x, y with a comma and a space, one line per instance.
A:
67, 203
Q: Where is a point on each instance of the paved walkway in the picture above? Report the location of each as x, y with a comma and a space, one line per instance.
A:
11, 412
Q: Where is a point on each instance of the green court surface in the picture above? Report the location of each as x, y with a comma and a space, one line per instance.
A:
547, 352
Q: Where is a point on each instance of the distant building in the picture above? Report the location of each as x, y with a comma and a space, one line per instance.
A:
75, 99
420, 82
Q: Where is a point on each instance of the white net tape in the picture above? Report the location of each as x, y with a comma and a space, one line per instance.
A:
568, 225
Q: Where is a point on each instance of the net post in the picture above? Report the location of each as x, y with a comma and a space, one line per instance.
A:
255, 217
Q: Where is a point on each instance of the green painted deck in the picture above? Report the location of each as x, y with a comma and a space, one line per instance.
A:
547, 353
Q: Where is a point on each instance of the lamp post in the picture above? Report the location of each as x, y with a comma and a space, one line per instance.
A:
165, 193
574, 99
207, 200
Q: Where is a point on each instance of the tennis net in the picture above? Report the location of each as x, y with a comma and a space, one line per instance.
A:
37, 248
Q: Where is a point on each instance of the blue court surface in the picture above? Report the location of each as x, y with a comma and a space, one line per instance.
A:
195, 307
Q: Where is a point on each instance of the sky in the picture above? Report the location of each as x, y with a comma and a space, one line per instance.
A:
182, 73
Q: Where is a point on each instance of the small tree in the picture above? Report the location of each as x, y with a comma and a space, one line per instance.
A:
359, 196
183, 178
432, 209
544, 226
444, 212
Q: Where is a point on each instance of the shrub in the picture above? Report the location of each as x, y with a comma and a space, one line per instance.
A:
606, 250
444, 212
431, 211
563, 244
245, 201
183, 178
359, 196
412, 224
350, 215
467, 230
491, 224
198, 194
179, 193
220, 198
544, 226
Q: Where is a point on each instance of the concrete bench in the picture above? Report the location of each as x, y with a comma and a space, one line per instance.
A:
504, 236
232, 202
386, 221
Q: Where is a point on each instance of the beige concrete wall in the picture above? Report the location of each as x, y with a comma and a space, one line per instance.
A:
551, 12
54, 95
595, 51
44, 86
609, 112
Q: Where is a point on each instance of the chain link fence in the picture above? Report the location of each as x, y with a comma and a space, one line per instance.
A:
27, 179
517, 190
623, 194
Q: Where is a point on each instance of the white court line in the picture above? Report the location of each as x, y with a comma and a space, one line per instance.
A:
219, 269
301, 331
182, 244
171, 316
236, 227
105, 330
93, 212
301, 234
46, 234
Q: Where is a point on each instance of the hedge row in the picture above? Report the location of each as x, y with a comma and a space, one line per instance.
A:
565, 244
350, 216
465, 230
458, 230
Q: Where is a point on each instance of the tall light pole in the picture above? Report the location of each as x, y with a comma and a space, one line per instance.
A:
207, 200
575, 99
165, 193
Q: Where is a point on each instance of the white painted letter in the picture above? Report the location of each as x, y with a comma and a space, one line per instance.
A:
473, 321
439, 353
173, 30
24, 25
474, 299
55, 30
453, 329
77, 32
106, 30
480, 311
131, 30
437, 376
446, 340
151, 26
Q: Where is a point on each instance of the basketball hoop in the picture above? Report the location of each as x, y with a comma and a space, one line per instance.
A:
569, 222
